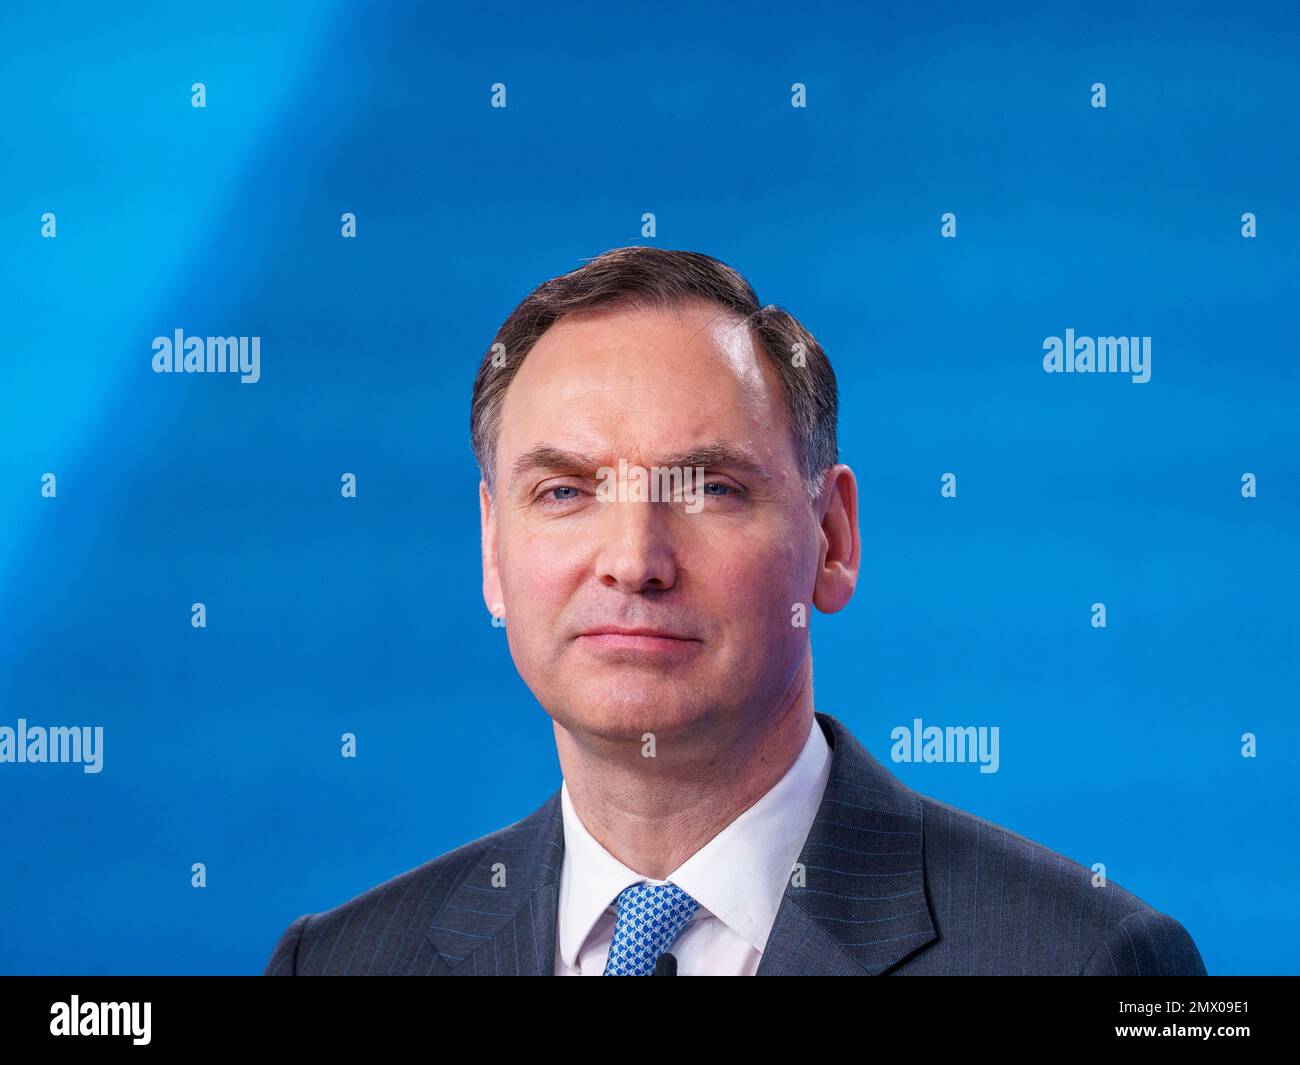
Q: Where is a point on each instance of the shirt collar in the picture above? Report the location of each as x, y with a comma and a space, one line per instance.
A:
739, 876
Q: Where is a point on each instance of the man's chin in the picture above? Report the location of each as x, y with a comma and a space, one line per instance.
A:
622, 714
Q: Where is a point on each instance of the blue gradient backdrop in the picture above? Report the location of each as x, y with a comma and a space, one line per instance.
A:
327, 615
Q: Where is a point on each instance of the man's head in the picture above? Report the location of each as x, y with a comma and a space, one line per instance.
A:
623, 615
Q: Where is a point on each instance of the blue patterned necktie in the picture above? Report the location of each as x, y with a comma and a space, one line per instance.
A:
649, 917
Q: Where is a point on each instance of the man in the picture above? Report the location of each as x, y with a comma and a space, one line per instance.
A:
661, 505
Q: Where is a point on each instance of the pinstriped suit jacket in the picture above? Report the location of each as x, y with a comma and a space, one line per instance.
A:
895, 883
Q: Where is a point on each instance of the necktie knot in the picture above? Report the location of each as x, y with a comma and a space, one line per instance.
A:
649, 918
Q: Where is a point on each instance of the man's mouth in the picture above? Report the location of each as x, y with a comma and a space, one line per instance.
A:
640, 639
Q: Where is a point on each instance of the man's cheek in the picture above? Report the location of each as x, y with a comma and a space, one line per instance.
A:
536, 606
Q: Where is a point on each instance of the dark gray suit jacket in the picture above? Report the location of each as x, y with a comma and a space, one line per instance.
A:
895, 883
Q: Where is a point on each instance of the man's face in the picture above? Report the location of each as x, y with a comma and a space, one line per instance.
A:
629, 616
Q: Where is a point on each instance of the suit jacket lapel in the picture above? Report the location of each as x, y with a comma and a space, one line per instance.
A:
861, 905
507, 930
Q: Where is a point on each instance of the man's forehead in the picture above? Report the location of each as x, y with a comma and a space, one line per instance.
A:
643, 386
634, 372
604, 425
634, 342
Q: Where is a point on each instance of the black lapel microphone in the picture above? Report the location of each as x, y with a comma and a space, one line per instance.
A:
665, 965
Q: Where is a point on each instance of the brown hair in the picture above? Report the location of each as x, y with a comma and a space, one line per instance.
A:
655, 278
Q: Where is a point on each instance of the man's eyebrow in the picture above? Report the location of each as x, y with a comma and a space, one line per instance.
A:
716, 455
719, 455
549, 457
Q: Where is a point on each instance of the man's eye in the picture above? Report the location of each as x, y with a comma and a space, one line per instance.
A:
548, 495
727, 489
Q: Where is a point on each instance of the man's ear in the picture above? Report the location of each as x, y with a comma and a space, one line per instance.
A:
837, 571
488, 531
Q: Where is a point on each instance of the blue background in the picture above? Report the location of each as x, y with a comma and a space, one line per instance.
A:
328, 615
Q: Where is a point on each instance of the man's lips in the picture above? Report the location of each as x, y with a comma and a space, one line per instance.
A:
636, 638
620, 630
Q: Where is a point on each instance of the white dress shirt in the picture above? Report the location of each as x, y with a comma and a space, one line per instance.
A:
738, 878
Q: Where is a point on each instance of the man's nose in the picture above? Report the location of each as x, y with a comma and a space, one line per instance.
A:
636, 552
